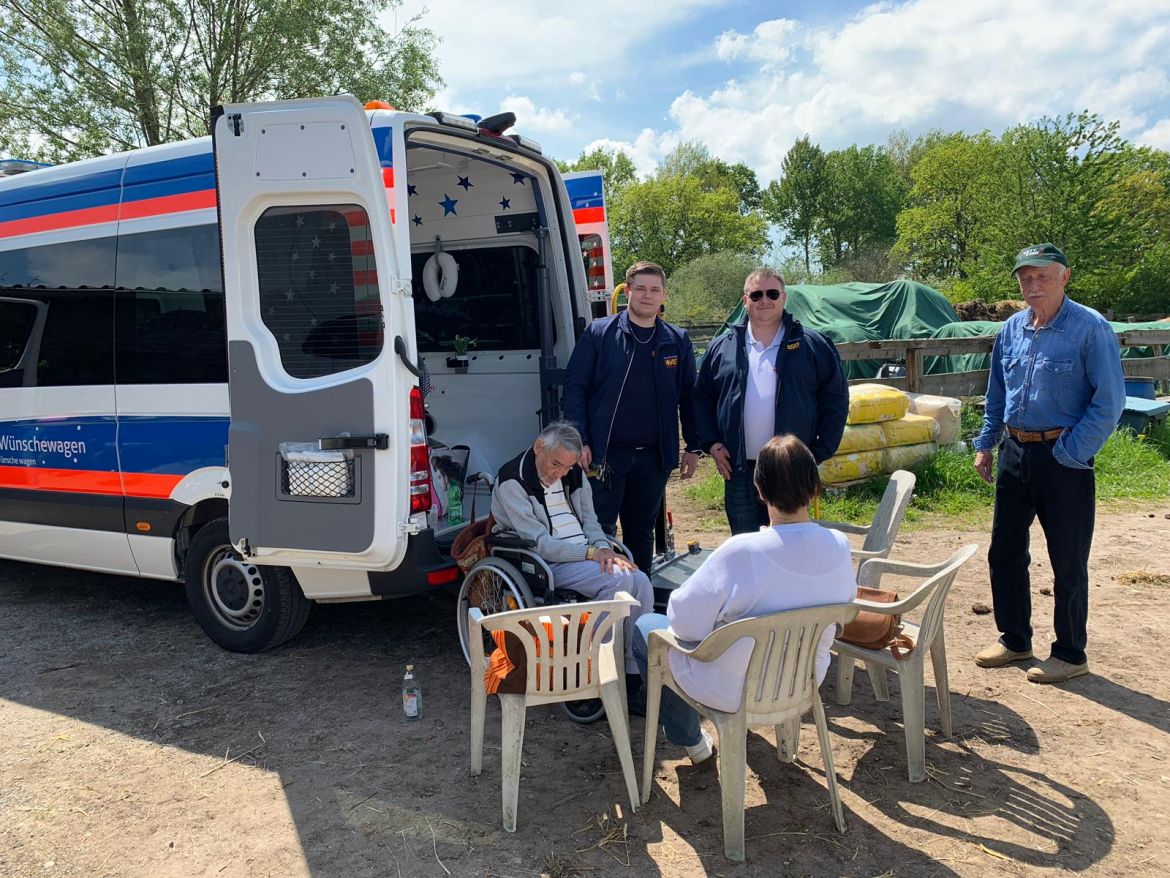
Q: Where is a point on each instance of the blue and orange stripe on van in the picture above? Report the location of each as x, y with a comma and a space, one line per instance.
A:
133, 192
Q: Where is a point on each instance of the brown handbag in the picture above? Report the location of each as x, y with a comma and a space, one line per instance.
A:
877, 631
470, 547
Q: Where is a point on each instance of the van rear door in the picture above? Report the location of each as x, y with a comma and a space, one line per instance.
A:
318, 448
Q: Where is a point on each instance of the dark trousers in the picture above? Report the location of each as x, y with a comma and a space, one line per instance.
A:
632, 490
746, 513
1032, 484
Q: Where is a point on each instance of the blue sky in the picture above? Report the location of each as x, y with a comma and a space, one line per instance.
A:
748, 78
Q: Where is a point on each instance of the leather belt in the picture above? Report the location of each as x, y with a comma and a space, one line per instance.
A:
1035, 435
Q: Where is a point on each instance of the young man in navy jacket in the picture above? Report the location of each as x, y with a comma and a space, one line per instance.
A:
627, 386
767, 377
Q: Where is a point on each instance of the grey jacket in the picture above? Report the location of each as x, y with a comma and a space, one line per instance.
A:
518, 506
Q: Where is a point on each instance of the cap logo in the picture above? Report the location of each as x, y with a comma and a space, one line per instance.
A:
1035, 251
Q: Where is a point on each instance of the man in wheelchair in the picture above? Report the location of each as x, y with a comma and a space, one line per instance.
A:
543, 497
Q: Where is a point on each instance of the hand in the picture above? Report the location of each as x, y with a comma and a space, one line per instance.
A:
983, 466
612, 562
690, 463
722, 458
586, 458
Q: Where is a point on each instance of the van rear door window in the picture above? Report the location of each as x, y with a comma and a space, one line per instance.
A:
319, 287
495, 301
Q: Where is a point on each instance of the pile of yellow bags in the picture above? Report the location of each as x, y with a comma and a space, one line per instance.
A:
889, 430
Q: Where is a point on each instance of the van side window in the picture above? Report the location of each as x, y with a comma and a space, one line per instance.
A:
173, 259
495, 301
164, 337
319, 287
16, 323
74, 264
77, 344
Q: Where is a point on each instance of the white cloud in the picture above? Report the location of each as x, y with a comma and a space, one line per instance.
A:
512, 42
646, 150
577, 77
928, 63
1157, 136
531, 118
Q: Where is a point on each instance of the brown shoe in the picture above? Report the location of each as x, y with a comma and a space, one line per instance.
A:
997, 655
1054, 670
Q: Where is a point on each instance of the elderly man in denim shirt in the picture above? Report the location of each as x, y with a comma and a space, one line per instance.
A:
1056, 385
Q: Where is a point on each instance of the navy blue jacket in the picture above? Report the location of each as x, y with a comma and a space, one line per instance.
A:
812, 395
597, 373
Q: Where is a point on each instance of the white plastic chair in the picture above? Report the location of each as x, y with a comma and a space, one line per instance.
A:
780, 686
579, 662
881, 533
926, 636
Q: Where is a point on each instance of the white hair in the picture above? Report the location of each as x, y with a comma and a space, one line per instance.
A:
561, 434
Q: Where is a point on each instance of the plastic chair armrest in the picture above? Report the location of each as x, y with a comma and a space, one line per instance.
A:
871, 571
843, 526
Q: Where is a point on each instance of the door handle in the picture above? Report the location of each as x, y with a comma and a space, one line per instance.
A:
379, 441
400, 349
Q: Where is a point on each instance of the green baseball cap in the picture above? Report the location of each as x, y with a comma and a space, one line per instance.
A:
1040, 255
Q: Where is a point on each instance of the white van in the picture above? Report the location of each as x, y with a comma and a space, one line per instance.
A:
138, 437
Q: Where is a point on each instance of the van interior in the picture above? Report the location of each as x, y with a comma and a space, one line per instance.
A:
484, 409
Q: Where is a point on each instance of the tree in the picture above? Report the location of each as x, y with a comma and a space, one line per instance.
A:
862, 196
794, 201
86, 78
617, 168
951, 206
705, 290
692, 158
673, 219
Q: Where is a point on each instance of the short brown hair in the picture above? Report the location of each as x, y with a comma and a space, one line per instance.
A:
764, 271
644, 268
786, 474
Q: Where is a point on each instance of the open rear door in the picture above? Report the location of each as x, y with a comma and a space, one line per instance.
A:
318, 458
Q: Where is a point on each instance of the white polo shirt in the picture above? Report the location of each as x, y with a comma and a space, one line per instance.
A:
759, 392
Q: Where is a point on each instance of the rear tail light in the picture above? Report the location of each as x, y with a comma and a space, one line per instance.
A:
420, 461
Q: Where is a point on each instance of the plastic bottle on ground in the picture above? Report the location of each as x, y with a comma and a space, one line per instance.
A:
411, 695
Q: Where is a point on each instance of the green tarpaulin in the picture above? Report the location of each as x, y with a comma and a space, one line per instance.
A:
866, 312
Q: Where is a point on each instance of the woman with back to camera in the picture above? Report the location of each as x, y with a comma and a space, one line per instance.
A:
791, 564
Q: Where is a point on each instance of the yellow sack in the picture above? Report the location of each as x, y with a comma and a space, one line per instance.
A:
862, 437
944, 409
871, 403
910, 430
906, 456
850, 467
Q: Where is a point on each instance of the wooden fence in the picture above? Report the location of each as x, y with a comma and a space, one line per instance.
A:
913, 351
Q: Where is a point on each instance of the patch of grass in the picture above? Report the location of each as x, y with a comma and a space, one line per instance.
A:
1159, 438
705, 490
1134, 468
970, 417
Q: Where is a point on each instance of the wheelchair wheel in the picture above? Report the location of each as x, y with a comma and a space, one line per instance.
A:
491, 586
585, 711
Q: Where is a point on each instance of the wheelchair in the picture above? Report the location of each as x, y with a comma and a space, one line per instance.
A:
514, 577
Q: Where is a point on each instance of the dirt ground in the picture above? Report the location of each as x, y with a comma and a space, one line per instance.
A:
133, 746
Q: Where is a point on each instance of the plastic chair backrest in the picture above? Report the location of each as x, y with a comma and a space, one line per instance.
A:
780, 679
562, 642
890, 512
936, 588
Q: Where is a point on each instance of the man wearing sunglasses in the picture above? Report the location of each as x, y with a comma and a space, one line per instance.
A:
767, 377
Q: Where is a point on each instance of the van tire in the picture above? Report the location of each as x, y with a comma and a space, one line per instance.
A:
241, 606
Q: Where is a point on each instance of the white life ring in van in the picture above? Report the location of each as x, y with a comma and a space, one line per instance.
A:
440, 276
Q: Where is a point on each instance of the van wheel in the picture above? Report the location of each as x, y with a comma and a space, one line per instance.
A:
243, 607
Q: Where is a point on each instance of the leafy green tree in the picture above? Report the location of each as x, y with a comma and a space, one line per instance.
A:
705, 290
860, 203
694, 159
952, 203
794, 202
85, 77
673, 219
617, 168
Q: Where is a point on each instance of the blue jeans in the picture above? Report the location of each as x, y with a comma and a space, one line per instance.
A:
745, 512
679, 720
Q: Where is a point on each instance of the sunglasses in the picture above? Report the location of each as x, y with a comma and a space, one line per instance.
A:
756, 295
